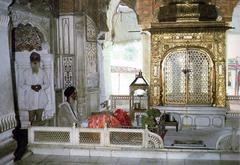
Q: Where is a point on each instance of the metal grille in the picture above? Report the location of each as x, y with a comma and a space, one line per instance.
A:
126, 138
89, 138
91, 30
68, 69
44, 136
175, 82
187, 77
199, 83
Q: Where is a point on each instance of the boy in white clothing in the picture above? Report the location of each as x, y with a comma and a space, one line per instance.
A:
35, 82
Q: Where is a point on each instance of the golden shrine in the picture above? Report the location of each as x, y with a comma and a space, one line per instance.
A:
188, 55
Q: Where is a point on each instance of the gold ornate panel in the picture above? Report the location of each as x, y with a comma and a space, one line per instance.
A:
210, 42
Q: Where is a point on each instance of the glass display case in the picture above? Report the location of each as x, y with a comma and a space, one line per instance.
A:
139, 98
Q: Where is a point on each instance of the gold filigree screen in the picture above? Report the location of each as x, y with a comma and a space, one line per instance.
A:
187, 77
192, 51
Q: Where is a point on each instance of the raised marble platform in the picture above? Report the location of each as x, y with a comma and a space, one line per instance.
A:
188, 154
196, 117
208, 137
85, 160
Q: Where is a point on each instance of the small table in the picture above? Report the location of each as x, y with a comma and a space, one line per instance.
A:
171, 123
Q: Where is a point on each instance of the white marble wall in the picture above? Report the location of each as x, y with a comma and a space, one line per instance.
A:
7, 114
6, 88
41, 22
236, 16
20, 15
78, 60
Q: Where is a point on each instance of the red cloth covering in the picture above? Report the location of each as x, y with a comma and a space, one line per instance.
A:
119, 118
122, 117
98, 121
114, 123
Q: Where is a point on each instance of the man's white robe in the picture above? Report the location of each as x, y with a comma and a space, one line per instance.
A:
67, 116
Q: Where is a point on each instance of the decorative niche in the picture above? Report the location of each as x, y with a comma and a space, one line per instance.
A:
27, 38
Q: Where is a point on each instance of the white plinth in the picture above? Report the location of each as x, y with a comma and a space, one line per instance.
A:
196, 117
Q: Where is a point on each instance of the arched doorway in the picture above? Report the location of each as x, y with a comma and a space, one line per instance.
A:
122, 50
233, 53
187, 77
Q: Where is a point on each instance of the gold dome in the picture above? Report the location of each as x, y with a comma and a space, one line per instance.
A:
187, 10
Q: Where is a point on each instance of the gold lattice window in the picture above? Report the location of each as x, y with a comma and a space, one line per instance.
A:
187, 77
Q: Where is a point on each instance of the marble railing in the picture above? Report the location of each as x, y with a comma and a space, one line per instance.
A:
105, 137
7, 122
120, 101
233, 104
229, 141
233, 114
233, 98
123, 100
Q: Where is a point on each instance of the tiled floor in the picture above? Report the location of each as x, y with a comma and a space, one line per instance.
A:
77, 160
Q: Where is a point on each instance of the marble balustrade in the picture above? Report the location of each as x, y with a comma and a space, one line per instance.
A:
91, 137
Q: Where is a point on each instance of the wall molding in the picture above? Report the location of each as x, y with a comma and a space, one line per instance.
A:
4, 6
24, 17
7, 122
4, 20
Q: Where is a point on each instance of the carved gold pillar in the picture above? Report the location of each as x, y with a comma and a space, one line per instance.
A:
155, 72
220, 100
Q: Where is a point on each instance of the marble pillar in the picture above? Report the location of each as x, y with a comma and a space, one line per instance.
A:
235, 18
107, 69
146, 46
7, 112
78, 60
101, 71
6, 88
80, 66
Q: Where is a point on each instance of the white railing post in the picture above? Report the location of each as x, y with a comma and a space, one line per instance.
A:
78, 130
73, 137
77, 135
30, 135
145, 140
234, 140
106, 138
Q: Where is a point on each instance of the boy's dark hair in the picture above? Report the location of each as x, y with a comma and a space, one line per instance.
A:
35, 57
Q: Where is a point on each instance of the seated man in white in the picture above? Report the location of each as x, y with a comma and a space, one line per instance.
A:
67, 114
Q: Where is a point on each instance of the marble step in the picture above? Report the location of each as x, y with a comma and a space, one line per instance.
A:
189, 144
